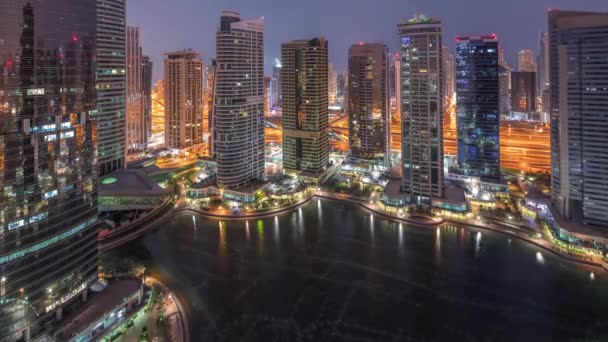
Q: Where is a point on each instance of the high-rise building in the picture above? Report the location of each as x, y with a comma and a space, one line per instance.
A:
397, 80
448, 75
523, 92
267, 80
421, 110
368, 105
238, 116
183, 99
504, 89
526, 60
478, 119
304, 82
578, 57
276, 84
136, 129
543, 71
332, 84
111, 83
146, 80
341, 80
48, 162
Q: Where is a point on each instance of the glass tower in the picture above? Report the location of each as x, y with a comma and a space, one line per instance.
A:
578, 60
421, 110
304, 83
48, 161
478, 118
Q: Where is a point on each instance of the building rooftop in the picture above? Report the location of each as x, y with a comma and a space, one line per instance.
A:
455, 195
98, 305
129, 182
393, 189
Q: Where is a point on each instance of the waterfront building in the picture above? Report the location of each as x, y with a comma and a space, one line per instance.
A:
368, 104
48, 161
238, 115
526, 60
478, 119
183, 87
578, 62
111, 84
304, 83
421, 110
146, 80
523, 93
135, 127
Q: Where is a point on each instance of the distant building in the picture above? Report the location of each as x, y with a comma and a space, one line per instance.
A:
478, 119
526, 60
368, 104
183, 99
448, 75
341, 80
136, 126
146, 79
421, 110
304, 82
238, 113
267, 80
544, 73
332, 84
578, 55
209, 91
276, 85
111, 84
504, 90
523, 92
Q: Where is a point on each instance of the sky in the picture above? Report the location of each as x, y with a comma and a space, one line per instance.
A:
169, 25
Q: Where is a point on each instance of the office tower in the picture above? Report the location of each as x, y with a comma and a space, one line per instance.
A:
183, 99
477, 91
332, 84
397, 80
578, 62
368, 102
267, 80
48, 162
341, 80
523, 92
146, 79
504, 92
135, 130
208, 110
448, 75
526, 60
421, 110
305, 107
543, 71
276, 76
111, 83
238, 116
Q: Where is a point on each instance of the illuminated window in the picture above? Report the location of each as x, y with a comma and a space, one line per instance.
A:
50, 194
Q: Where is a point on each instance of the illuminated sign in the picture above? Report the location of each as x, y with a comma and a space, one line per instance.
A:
66, 297
405, 40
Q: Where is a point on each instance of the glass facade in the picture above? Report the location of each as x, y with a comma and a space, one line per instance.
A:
478, 119
48, 161
368, 102
304, 83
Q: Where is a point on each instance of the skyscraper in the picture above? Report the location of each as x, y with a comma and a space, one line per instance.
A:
368, 105
111, 81
578, 61
267, 80
48, 162
526, 60
304, 82
504, 89
477, 89
448, 75
332, 84
543, 71
523, 92
238, 117
421, 110
208, 110
183, 99
146, 79
276, 90
136, 128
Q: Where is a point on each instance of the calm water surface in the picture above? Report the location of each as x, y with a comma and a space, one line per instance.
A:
331, 272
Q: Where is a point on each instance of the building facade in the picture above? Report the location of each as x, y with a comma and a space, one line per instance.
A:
48, 161
111, 84
135, 129
578, 61
304, 82
238, 116
368, 104
332, 81
478, 96
523, 92
276, 84
526, 60
421, 110
146, 79
208, 110
449, 72
183, 99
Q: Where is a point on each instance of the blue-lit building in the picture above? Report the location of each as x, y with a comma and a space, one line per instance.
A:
478, 118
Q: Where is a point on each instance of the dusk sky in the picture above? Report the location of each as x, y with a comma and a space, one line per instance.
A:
168, 25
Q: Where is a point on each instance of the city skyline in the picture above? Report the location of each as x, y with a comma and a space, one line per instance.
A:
341, 22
